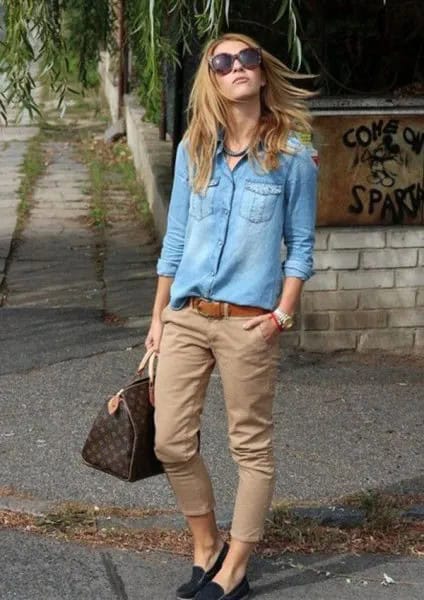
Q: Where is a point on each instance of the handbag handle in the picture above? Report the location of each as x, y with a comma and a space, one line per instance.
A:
144, 360
150, 356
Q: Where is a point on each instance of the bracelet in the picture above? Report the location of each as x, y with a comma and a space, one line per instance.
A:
276, 321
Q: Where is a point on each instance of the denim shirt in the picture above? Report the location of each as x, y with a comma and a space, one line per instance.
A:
225, 244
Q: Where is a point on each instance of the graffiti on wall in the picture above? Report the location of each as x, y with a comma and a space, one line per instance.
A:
385, 149
371, 168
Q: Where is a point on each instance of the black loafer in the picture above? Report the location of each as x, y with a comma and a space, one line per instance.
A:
213, 591
200, 577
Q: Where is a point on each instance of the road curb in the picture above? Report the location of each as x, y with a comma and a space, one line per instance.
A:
332, 516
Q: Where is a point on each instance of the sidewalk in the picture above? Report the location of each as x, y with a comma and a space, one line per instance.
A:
12, 149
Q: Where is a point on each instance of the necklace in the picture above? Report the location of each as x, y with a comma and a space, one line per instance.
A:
232, 153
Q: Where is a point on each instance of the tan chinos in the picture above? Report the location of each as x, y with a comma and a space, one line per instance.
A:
191, 344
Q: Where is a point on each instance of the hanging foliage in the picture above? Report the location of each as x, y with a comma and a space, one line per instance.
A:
38, 39
41, 36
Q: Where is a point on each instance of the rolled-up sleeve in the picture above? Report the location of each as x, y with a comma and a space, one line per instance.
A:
300, 215
173, 241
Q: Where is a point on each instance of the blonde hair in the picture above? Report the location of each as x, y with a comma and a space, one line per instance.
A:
283, 109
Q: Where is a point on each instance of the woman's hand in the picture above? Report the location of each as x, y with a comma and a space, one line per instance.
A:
154, 335
267, 325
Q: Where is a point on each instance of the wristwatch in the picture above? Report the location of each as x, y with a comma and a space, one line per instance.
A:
286, 321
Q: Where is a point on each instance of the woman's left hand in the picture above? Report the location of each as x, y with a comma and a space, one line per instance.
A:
267, 324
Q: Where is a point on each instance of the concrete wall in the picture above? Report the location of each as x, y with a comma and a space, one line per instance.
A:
368, 290
152, 159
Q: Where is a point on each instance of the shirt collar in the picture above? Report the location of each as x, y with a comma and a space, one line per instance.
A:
220, 142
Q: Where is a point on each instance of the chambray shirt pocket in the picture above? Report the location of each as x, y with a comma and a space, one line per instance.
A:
202, 204
259, 200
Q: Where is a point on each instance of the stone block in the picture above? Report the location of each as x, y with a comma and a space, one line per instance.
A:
409, 277
342, 259
322, 281
407, 237
316, 321
357, 239
389, 258
420, 297
337, 300
360, 319
321, 239
406, 318
419, 338
392, 298
357, 280
387, 339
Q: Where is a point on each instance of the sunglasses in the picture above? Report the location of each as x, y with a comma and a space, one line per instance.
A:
222, 63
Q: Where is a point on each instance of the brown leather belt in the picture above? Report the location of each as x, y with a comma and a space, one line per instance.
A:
219, 309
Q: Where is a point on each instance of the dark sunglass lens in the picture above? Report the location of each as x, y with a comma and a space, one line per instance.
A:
222, 63
250, 57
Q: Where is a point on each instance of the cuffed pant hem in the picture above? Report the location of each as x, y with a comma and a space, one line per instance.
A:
198, 512
243, 538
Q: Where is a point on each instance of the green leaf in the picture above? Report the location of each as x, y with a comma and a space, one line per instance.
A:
282, 11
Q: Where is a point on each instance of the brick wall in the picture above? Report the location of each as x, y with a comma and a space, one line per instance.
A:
367, 293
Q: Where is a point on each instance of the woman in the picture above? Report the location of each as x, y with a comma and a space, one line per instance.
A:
242, 183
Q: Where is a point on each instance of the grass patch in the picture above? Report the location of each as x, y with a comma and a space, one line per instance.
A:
82, 528
98, 212
125, 167
284, 535
70, 519
374, 502
383, 529
286, 532
300, 532
358, 500
380, 510
113, 164
33, 167
306, 538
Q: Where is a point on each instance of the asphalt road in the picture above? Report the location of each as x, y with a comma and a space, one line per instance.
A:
37, 568
341, 424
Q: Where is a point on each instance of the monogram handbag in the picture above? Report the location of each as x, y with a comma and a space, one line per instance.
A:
121, 439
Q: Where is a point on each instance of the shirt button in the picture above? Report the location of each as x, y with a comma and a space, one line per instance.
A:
220, 243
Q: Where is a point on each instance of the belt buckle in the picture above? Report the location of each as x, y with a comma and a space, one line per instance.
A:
199, 310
